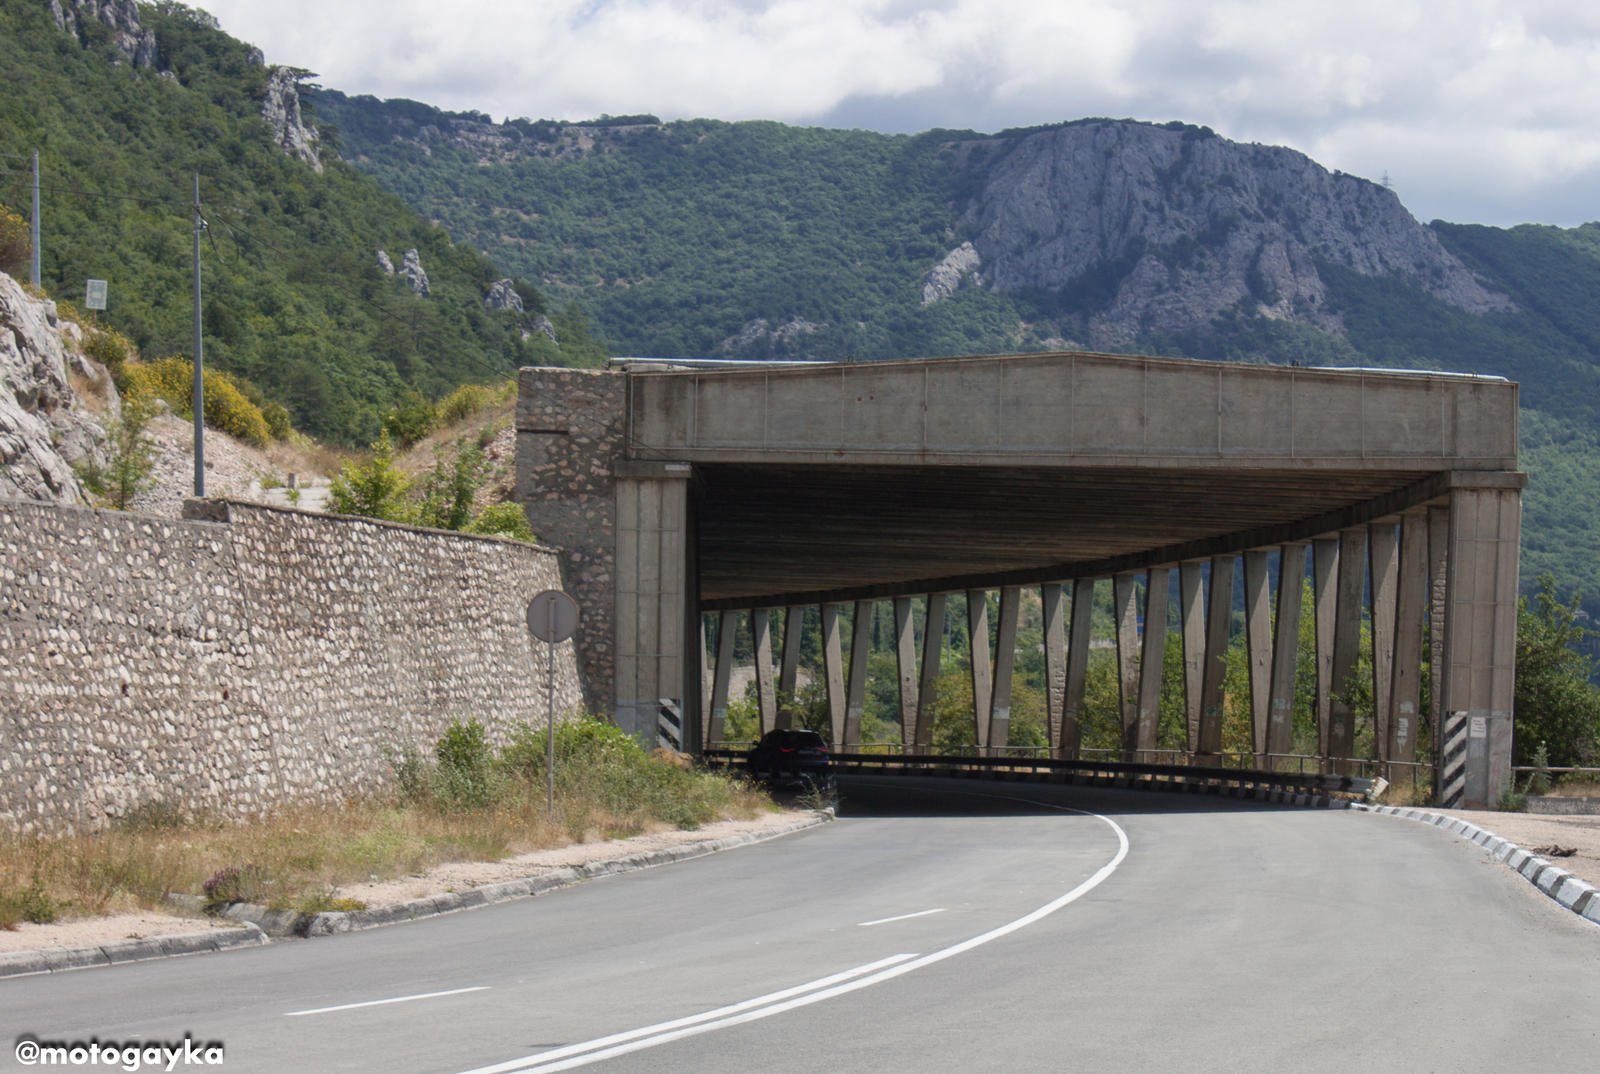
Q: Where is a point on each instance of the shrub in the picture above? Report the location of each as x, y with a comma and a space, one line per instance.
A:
227, 409
110, 348
16, 243
374, 489
32, 904
277, 419
131, 457
465, 776
235, 883
411, 419
449, 490
469, 399
504, 520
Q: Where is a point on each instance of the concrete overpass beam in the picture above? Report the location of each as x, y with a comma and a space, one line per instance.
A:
1219, 618
1286, 647
1411, 604
1077, 667
1055, 659
1192, 612
1157, 583
1351, 589
978, 657
928, 688
1258, 645
860, 649
1325, 606
794, 622
1125, 609
727, 624
833, 672
905, 654
766, 696
1005, 658
1481, 641
1383, 557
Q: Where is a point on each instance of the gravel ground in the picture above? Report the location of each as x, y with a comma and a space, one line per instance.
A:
94, 931
1535, 832
230, 468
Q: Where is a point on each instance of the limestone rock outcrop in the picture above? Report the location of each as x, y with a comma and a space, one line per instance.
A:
411, 269
776, 340
503, 296
44, 425
1178, 225
959, 269
385, 264
281, 109
548, 330
121, 17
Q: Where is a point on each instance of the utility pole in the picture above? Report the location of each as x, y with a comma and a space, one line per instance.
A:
33, 269
199, 376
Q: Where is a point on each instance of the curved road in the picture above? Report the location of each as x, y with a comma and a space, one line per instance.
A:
937, 926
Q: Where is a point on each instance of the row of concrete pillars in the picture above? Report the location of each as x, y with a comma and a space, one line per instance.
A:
1393, 570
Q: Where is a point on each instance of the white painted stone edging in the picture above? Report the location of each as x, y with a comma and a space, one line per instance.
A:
1574, 894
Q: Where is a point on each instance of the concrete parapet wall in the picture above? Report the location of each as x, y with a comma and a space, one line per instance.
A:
249, 658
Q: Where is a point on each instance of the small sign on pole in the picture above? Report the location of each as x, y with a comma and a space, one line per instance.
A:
94, 295
552, 618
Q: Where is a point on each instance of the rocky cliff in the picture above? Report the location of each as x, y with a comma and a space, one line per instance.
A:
1164, 227
45, 425
121, 17
281, 109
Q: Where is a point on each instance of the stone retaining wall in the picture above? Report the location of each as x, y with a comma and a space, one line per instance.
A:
249, 656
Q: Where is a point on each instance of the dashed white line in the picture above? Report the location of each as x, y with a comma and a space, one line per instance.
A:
380, 1002
902, 917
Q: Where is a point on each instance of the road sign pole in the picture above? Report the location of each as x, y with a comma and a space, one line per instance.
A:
199, 375
33, 265
552, 617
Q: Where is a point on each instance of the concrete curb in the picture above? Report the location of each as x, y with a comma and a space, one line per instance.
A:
57, 959
1574, 894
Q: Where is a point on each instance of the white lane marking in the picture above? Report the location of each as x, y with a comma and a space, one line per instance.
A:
616, 1038
380, 1002
902, 917
569, 1057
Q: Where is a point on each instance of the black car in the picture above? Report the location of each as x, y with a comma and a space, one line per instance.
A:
789, 756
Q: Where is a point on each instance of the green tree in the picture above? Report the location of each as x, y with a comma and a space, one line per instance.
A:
373, 489
131, 456
1556, 706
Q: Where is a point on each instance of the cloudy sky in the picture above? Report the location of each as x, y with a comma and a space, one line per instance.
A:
1483, 111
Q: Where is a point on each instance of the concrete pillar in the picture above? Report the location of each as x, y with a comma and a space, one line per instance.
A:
1005, 658
833, 672
860, 648
1411, 604
727, 624
928, 689
1191, 610
1157, 583
1438, 558
1219, 618
1481, 639
1077, 667
1258, 648
652, 609
1325, 601
704, 679
1351, 589
905, 655
766, 697
1125, 615
982, 680
1383, 559
1286, 648
1055, 659
794, 620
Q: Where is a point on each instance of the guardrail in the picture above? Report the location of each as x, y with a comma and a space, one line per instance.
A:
1191, 778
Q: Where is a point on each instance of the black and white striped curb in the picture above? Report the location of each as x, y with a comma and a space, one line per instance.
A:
56, 959
258, 922
1574, 894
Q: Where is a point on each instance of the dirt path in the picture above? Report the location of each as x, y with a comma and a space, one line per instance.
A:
1536, 833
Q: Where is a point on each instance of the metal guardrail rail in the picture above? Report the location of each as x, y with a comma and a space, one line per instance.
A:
1098, 773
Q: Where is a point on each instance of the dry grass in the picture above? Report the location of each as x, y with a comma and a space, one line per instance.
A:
92, 392
1404, 794
302, 455
1576, 785
294, 859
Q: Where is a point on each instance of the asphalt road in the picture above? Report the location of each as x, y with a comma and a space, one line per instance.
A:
1166, 933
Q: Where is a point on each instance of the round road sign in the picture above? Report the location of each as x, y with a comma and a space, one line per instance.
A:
552, 616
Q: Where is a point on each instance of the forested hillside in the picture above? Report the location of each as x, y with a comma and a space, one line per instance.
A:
124, 103
711, 239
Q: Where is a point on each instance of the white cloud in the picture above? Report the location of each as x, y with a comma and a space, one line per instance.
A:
1483, 110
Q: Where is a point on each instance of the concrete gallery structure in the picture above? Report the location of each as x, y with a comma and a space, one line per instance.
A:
679, 490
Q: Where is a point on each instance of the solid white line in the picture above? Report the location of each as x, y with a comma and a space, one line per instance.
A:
616, 1038
380, 1002
569, 1057
902, 917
